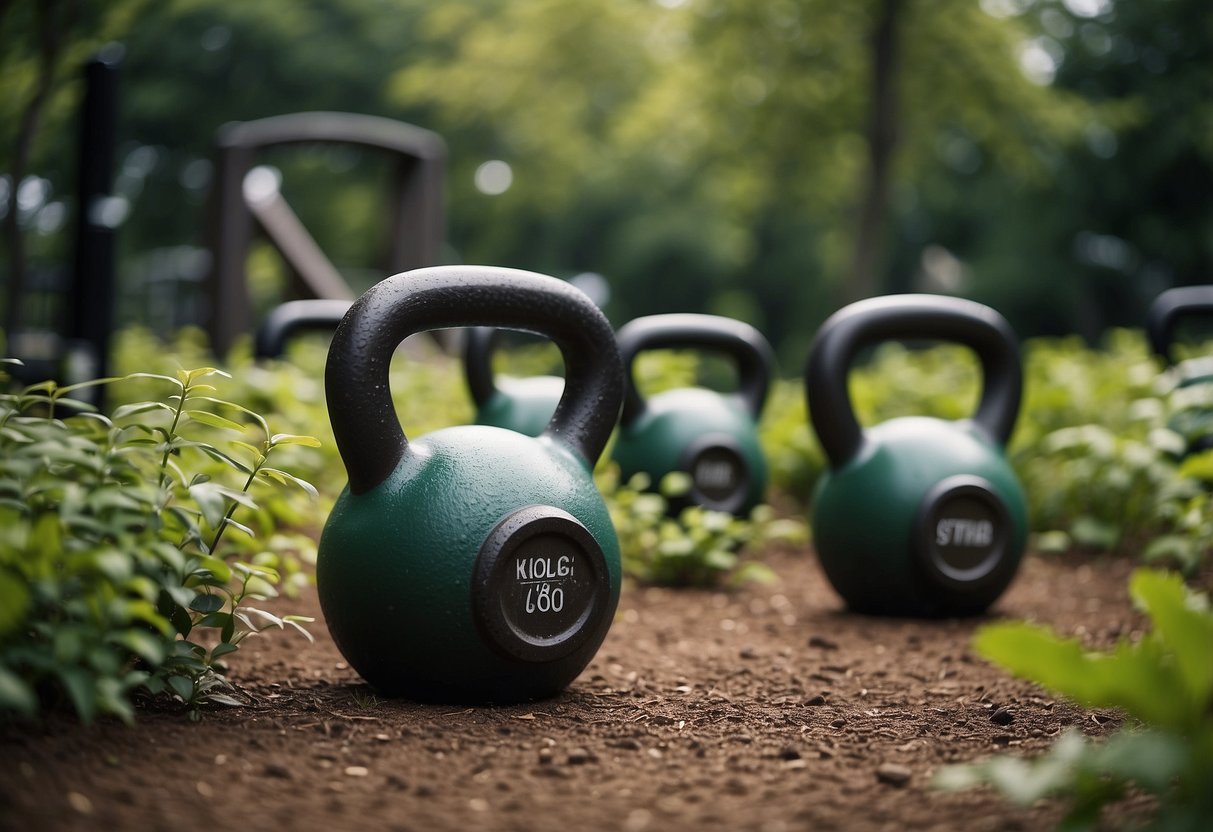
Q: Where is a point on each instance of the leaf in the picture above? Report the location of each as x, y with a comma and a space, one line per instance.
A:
157, 377
227, 521
204, 417
294, 439
15, 694
81, 690
1187, 633
224, 699
183, 686
295, 621
288, 479
139, 407
222, 649
14, 601
1090, 531
207, 603
142, 643
256, 417
268, 616
190, 376
219, 456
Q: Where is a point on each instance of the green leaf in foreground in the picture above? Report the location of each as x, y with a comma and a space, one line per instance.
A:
1164, 679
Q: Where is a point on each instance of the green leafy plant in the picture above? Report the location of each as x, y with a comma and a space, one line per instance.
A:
1164, 680
123, 566
698, 547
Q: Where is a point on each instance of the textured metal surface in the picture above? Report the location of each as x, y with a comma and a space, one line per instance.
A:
400, 550
709, 333
360, 405
873, 321
863, 516
868, 507
673, 421
396, 564
655, 435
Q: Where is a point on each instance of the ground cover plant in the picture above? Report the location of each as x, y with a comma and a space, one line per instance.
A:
1163, 680
129, 558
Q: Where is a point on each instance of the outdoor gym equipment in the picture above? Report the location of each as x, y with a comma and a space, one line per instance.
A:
286, 320
711, 436
1193, 418
917, 516
473, 563
241, 197
524, 405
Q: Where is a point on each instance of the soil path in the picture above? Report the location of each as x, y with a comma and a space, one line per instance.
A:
762, 709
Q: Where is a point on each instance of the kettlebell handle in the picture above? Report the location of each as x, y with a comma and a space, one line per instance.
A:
739, 341
294, 316
478, 363
365, 425
895, 317
1168, 308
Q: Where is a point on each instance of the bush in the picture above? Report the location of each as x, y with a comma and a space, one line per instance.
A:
113, 579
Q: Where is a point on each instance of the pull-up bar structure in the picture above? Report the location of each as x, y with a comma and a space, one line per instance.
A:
415, 214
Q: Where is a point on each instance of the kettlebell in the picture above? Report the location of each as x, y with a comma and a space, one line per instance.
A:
520, 404
711, 436
1194, 422
286, 320
472, 564
917, 516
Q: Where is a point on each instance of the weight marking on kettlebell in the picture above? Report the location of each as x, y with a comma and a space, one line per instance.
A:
562, 569
720, 477
964, 532
713, 474
541, 582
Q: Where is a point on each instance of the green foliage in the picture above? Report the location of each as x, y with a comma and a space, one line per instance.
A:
113, 580
698, 547
1164, 679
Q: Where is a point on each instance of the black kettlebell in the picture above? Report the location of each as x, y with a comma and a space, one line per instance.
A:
917, 516
713, 437
520, 404
1192, 379
472, 564
286, 320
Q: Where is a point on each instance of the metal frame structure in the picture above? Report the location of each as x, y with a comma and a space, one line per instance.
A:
415, 213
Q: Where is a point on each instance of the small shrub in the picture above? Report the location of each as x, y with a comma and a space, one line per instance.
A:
698, 547
1164, 681
113, 579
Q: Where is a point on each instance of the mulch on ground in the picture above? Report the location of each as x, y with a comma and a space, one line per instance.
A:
767, 708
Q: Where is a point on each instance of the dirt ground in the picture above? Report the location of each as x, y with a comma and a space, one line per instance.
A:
767, 708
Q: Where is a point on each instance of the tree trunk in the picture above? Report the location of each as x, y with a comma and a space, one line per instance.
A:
863, 279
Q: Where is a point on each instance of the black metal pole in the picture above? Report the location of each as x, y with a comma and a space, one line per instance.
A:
91, 296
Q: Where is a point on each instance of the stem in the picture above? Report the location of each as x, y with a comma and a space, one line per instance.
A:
232, 508
172, 433
248, 483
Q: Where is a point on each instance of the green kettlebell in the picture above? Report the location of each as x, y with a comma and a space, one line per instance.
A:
472, 564
524, 405
917, 516
1193, 420
711, 436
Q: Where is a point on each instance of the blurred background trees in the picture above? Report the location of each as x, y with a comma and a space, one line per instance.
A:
768, 160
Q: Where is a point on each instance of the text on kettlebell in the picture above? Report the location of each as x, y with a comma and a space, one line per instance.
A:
959, 532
